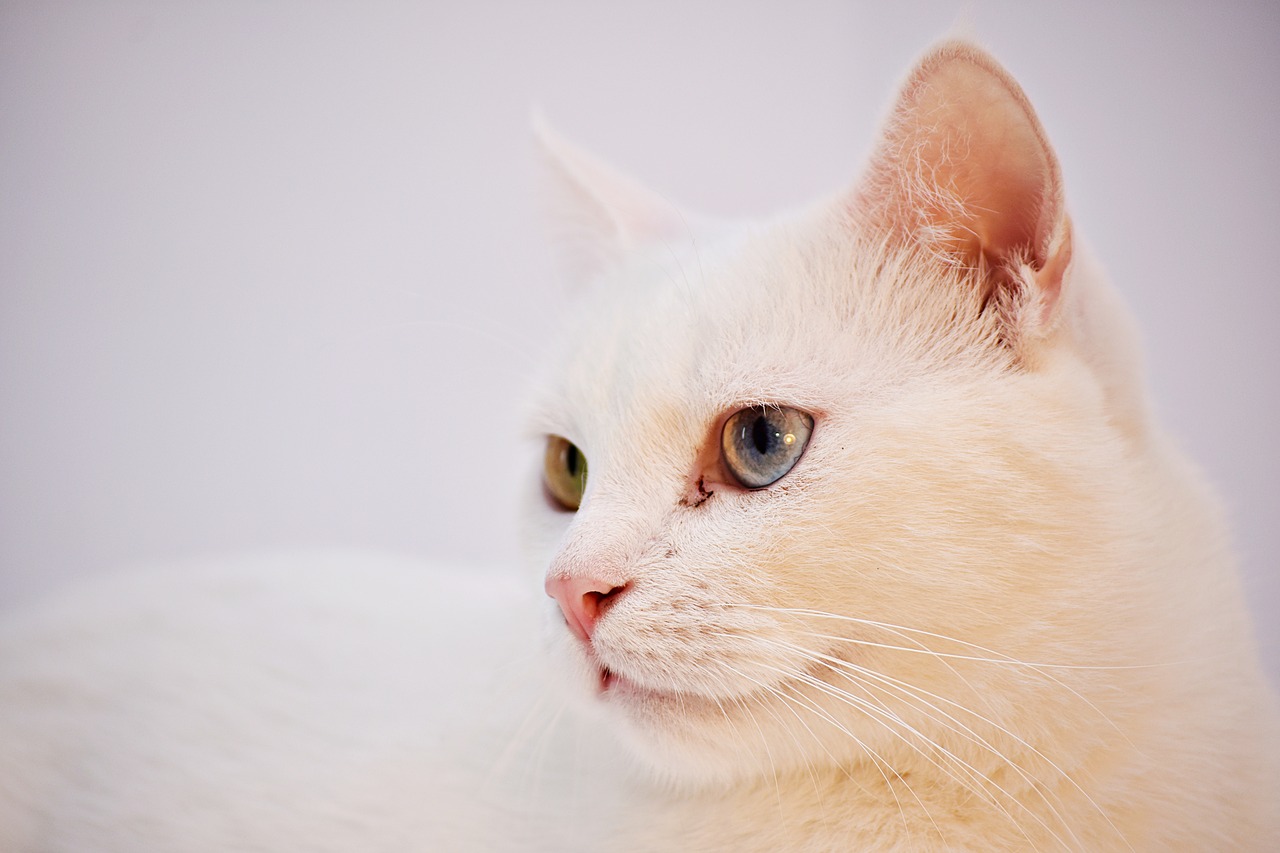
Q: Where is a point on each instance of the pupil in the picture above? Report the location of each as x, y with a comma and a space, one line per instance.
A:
572, 460
761, 435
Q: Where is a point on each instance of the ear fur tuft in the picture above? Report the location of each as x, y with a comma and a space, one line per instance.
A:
964, 171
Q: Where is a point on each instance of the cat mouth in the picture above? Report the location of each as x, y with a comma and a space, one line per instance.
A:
616, 688
613, 686
612, 683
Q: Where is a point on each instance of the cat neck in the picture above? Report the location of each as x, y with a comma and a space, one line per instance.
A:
873, 805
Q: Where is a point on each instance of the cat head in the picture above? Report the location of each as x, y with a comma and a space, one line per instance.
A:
800, 475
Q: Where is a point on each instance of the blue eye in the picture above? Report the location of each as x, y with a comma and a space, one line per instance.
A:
762, 443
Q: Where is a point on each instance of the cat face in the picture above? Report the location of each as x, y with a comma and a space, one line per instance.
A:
812, 486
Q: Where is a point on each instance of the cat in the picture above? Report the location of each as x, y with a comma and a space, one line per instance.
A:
856, 532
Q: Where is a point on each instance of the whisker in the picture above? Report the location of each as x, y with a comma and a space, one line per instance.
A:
878, 713
997, 658
942, 655
863, 676
993, 656
917, 693
880, 764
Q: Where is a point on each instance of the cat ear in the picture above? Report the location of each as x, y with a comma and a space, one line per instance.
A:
964, 171
597, 214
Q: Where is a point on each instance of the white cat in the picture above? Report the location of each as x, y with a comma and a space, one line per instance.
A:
879, 549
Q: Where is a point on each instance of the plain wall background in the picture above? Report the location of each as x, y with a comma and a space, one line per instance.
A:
271, 274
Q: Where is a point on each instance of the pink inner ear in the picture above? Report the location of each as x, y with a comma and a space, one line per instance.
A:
964, 167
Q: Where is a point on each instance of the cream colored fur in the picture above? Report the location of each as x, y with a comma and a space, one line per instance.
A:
991, 608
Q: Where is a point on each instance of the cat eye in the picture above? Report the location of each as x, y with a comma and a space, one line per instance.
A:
564, 472
762, 443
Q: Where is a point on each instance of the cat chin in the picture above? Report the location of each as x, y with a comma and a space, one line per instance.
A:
703, 749
682, 739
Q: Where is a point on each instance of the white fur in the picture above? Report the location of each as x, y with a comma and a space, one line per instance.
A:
991, 607
297, 702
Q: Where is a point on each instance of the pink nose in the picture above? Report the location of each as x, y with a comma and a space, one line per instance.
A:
583, 601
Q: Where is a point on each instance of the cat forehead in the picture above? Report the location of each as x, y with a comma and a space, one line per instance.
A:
704, 323
795, 311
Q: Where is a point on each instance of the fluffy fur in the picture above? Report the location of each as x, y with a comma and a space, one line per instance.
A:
990, 608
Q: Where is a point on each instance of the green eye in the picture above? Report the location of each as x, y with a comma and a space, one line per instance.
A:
564, 472
762, 443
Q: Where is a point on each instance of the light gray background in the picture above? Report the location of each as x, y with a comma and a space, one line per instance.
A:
271, 275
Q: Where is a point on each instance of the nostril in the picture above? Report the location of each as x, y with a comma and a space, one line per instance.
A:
584, 601
596, 603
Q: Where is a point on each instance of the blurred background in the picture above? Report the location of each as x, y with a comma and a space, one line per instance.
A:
272, 275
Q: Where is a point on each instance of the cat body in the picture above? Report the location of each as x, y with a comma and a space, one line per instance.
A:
972, 599
321, 702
